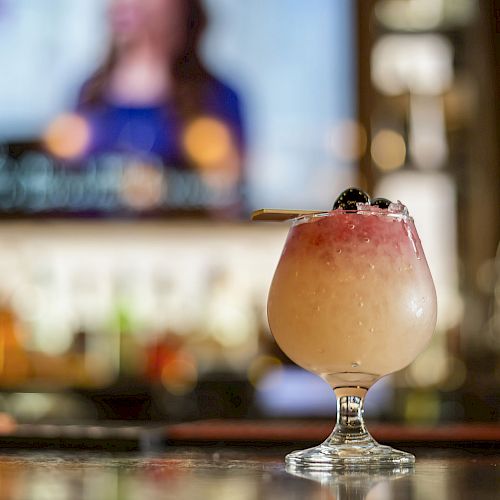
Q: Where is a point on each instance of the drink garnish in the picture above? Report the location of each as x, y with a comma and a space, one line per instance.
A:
279, 214
381, 203
349, 198
352, 198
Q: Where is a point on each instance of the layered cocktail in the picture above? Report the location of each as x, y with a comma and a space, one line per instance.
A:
352, 300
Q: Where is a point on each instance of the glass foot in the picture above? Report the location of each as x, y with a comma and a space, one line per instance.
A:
350, 445
366, 454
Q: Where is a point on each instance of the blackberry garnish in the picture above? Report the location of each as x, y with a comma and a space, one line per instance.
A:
349, 198
381, 202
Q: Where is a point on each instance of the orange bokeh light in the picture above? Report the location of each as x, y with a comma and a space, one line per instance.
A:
180, 375
388, 150
207, 141
67, 136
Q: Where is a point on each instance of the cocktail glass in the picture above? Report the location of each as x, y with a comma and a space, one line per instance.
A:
352, 300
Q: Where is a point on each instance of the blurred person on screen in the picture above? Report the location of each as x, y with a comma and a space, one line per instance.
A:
153, 98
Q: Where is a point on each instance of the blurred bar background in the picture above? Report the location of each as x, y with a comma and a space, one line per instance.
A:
132, 285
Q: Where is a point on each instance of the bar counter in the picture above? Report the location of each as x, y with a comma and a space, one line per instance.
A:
221, 473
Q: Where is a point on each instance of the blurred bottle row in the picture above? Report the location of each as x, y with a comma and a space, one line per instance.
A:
85, 311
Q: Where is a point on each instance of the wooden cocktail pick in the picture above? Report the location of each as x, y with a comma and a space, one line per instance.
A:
278, 214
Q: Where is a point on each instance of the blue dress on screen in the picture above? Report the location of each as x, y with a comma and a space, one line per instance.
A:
156, 130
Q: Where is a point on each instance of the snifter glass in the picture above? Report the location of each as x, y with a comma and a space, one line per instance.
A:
352, 300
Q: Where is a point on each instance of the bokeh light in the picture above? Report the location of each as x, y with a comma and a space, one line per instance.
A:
411, 15
261, 366
142, 186
207, 141
180, 375
67, 136
430, 368
347, 140
388, 149
427, 132
419, 64
422, 406
457, 374
423, 15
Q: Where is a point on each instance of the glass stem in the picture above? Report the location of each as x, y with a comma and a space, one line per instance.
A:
350, 426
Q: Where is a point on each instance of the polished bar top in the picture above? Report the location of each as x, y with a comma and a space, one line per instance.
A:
230, 474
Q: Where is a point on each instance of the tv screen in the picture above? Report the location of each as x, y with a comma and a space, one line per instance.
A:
158, 107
